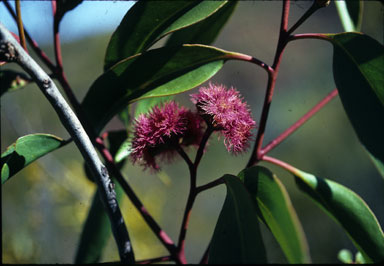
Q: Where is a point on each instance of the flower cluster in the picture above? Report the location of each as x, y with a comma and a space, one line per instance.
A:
224, 110
167, 127
161, 130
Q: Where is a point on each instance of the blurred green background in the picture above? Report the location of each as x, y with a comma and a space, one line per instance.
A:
44, 206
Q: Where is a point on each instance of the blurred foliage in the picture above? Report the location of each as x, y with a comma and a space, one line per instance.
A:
44, 206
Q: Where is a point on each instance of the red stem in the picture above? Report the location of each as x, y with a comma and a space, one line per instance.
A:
319, 36
161, 235
282, 164
256, 155
251, 59
149, 261
299, 122
59, 70
193, 189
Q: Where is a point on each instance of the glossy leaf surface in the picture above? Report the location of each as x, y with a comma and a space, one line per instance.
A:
358, 68
148, 21
237, 238
275, 209
205, 31
159, 72
349, 210
24, 151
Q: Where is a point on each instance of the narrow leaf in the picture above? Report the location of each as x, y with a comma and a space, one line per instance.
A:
203, 32
350, 13
12, 80
349, 210
158, 72
358, 69
25, 150
237, 238
206, 31
148, 21
276, 211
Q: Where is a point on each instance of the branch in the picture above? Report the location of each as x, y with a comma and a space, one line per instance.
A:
299, 122
20, 25
151, 222
111, 166
315, 6
11, 50
272, 75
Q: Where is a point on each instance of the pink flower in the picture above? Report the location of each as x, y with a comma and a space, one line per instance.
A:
224, 110
158, 133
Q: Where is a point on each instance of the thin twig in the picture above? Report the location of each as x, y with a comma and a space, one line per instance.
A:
20, 25
318, 36
193, 190
149, 261
314, 7
209, 185
255, 156
60, 74
280, 163
156, 229
9, 46
204, 140
299, 122
251, 59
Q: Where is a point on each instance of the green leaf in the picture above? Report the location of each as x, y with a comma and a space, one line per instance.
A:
349, 210
358, 69
12, 80
25, 150
148, 21
124, 151
63, 6
145, 105
97, 229
350, 13
158, 72
275, 209
237, 238
203, 32
379, 165
206, 31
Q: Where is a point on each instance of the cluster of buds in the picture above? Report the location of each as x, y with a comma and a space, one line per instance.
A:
164, 129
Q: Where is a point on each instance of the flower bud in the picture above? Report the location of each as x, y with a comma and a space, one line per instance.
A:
322, 3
